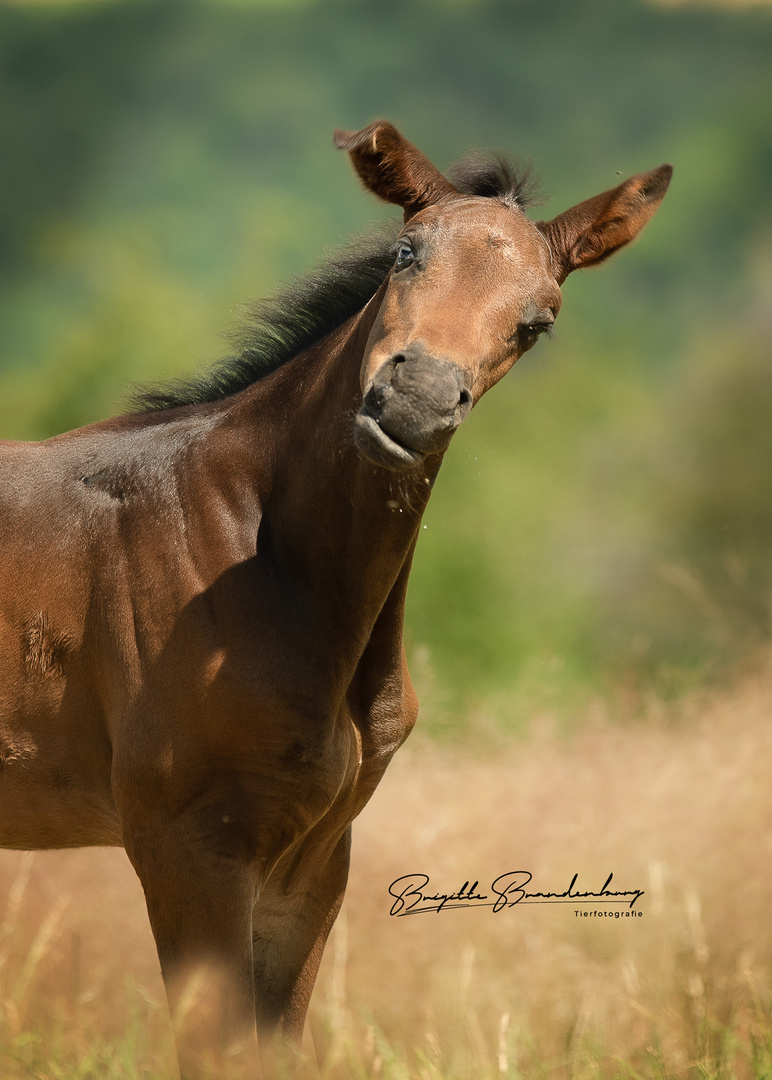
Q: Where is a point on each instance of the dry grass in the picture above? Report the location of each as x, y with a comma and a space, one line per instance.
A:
678, 803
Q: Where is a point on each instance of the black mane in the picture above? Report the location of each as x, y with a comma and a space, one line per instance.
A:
276, 330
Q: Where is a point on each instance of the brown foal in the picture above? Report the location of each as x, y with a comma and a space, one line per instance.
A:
202, 603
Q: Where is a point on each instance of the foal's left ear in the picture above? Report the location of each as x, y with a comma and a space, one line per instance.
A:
595, 229
392, 168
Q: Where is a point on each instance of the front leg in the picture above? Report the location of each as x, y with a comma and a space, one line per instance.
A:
291, 922
200, 895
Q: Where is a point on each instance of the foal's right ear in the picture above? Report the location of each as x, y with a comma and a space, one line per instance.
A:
392, 168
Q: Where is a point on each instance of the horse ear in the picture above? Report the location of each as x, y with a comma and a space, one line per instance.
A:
595, 229
392, 168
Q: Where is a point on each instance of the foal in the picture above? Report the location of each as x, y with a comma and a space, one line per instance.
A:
202, 602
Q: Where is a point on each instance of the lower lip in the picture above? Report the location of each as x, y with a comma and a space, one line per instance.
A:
380, 448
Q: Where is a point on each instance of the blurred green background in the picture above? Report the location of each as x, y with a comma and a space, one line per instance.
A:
603, 521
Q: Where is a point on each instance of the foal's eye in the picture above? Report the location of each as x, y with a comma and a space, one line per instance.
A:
531, 331
526, 334
405, 256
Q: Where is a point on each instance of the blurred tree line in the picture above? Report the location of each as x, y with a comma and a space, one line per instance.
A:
605, 516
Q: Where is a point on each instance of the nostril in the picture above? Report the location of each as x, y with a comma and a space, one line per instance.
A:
465, 398
399, 358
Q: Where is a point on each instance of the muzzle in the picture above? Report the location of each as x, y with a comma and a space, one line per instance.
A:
411, 408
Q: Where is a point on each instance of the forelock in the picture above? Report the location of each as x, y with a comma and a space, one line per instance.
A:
495, 177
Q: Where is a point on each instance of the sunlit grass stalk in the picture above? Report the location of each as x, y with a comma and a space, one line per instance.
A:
16, 1005
15, 897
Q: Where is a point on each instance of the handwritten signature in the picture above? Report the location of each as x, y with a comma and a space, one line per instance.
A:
508, 890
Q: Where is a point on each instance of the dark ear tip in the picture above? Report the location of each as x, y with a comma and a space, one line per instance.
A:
342, 140
380, 131
657, 181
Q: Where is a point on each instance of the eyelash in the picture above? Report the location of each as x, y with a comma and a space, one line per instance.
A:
532, 330
540, 328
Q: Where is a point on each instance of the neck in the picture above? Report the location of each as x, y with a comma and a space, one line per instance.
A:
344, 527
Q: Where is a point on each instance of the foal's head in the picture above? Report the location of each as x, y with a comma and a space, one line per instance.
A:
474, 284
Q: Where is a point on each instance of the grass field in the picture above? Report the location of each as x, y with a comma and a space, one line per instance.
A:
676, 802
